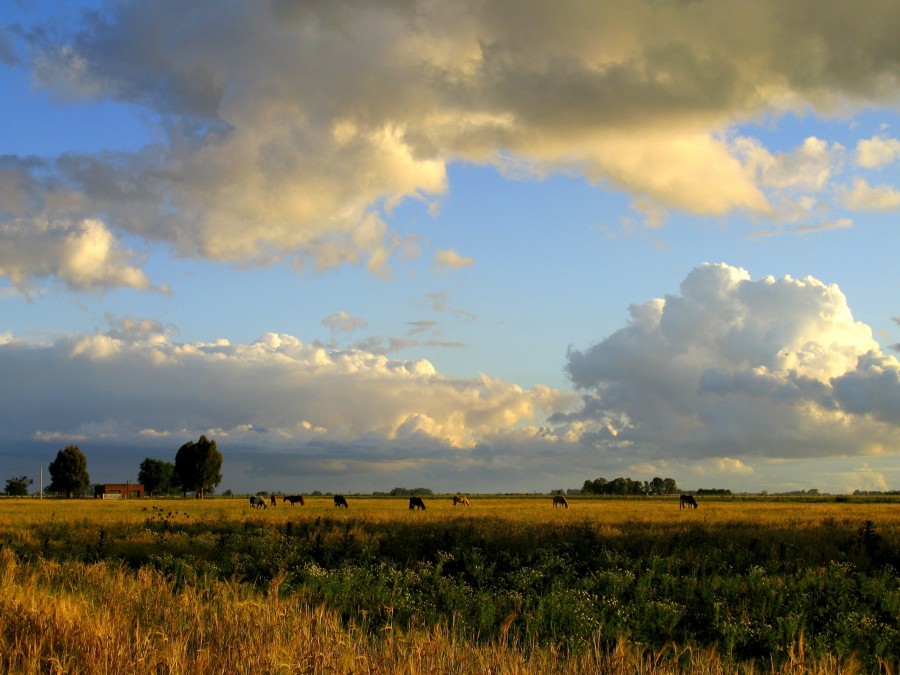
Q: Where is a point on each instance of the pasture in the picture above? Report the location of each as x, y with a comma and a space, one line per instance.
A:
509, 584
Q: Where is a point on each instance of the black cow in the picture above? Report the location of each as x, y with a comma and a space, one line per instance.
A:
257, 502
293, 499
560, 502
340, 501
416, 503
687, 502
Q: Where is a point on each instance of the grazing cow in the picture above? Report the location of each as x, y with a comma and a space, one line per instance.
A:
416, 503
340, 501
560, 502
274, 503
460, 501
257, 502
293, 499
687, 501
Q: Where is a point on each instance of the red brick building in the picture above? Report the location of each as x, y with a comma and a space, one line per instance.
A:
119, 491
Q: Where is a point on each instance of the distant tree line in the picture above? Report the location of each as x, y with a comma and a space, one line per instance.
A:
197, 469
627, 486
713, 492
410, 492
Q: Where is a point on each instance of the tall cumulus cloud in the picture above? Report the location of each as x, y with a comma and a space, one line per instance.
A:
733, 367
287, 129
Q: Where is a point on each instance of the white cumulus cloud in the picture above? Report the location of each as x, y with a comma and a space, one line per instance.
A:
737, 367
877, 151
873, 198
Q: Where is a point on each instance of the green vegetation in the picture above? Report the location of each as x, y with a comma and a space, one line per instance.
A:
68, 472
156, 476
17, 486
198, 467
409, 492
749, 582
626, 486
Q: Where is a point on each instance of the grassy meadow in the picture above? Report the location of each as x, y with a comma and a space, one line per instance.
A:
508, 585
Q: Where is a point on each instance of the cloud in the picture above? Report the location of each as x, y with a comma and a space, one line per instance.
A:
807, 228
343, 323
878, 198
438, 302
727, 465
865, 479
739, 368
421, 326
877, 151
809, 167
277, 395
287, 130
85, 256
452, 259
7, 53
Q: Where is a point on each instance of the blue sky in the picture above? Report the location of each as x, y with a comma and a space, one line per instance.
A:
406, 244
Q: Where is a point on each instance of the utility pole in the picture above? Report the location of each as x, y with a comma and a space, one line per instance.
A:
42, 483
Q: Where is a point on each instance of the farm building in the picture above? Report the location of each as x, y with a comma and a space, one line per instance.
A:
119, 491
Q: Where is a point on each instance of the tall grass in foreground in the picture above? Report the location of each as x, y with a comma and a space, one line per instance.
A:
509, 585
96, 618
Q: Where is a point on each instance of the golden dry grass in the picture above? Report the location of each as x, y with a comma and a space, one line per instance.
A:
78, 618
75, 617
525, 509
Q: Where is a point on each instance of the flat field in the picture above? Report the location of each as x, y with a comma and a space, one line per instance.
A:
509, 584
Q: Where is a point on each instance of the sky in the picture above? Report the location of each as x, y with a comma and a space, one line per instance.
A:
494, 246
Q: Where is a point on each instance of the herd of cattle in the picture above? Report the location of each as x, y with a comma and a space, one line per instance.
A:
416, 503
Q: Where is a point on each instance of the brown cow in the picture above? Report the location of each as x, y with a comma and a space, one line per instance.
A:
293, 499
459, 500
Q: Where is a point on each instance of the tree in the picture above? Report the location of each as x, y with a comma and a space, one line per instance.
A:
18, 486
669, 486
68, 472
198, 467
156, 476
410, 492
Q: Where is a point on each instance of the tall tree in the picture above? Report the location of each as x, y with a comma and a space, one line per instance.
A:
156, 476
18, 486
198, 467
669, 486
68, 472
